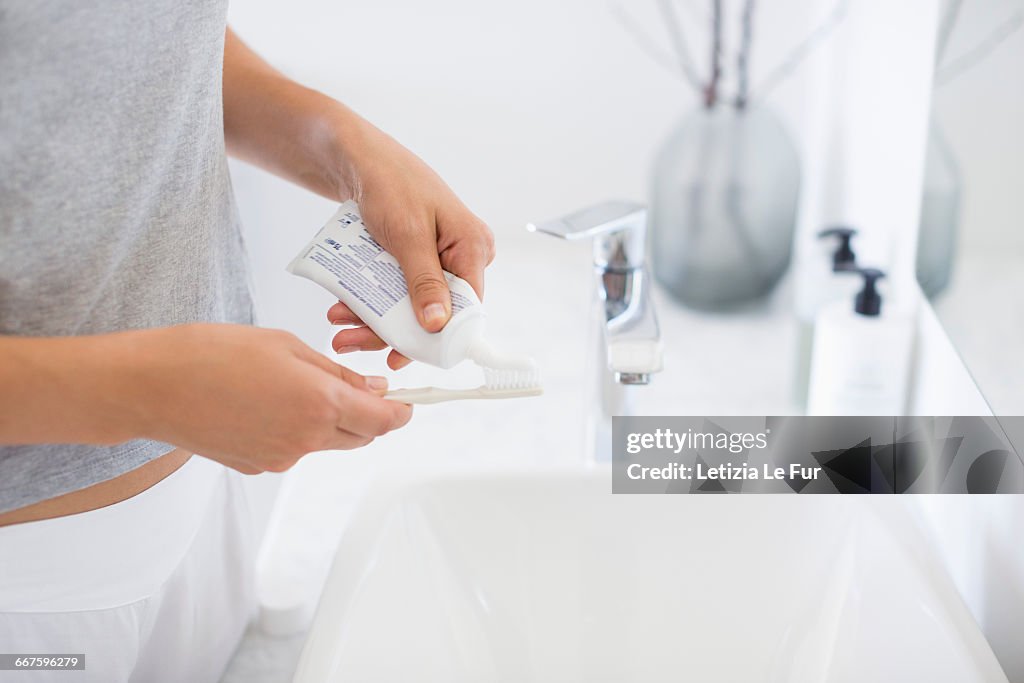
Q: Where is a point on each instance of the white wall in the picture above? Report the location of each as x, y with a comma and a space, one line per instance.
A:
527, 109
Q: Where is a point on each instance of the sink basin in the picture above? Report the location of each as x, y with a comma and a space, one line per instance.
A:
546, 576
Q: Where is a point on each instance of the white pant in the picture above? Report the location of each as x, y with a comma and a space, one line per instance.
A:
156, 588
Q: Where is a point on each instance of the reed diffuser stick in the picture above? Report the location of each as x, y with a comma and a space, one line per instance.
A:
711, 92
674, 27
805, 48
743, 55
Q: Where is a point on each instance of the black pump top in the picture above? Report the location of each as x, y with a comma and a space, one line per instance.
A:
843, 257
869, 301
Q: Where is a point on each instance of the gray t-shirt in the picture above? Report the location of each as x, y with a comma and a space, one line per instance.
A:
116, 210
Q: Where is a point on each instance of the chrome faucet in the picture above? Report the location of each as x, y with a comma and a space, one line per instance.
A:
630, 349
632, 340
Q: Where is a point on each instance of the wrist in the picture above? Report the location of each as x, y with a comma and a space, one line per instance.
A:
349, 141
129, 374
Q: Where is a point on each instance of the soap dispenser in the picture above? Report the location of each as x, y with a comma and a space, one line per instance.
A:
826, 285
861, 360
843, 257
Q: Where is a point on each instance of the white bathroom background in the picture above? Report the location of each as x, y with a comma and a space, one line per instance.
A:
532, 108
527, 109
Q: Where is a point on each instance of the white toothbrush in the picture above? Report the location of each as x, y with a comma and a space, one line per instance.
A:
497, 384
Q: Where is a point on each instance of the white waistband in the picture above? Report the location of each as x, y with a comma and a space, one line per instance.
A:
111, 556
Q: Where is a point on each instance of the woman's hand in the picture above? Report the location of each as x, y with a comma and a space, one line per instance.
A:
319, 143
418, 219
253, 399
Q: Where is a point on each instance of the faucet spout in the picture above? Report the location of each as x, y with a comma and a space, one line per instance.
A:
632, 338
630, 333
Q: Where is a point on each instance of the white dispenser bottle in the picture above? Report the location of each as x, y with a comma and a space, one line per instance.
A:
823, 285
861, 359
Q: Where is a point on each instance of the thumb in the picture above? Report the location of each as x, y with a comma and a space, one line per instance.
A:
431, 298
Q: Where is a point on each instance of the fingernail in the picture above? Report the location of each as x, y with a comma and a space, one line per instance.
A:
376, 383
337, 322
434, 313
346, 349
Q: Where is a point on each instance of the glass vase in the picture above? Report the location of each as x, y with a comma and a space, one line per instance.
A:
724, 198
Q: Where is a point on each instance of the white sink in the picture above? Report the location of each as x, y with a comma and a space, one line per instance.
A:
547, 576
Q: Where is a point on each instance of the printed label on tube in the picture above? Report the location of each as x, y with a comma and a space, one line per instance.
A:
366, 271
345, 259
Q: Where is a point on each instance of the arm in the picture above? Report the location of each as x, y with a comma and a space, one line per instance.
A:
59, 390
321, 144
253, 399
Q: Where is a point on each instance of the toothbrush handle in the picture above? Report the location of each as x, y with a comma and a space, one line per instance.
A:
427, 395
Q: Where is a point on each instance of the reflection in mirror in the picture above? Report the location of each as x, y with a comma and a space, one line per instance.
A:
971, 242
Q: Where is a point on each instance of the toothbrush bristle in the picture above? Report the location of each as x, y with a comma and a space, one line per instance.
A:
496, 378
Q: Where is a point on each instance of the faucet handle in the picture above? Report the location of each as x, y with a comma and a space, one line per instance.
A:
620, 225
594, 220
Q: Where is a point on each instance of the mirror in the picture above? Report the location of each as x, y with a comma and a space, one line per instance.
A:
971, 247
